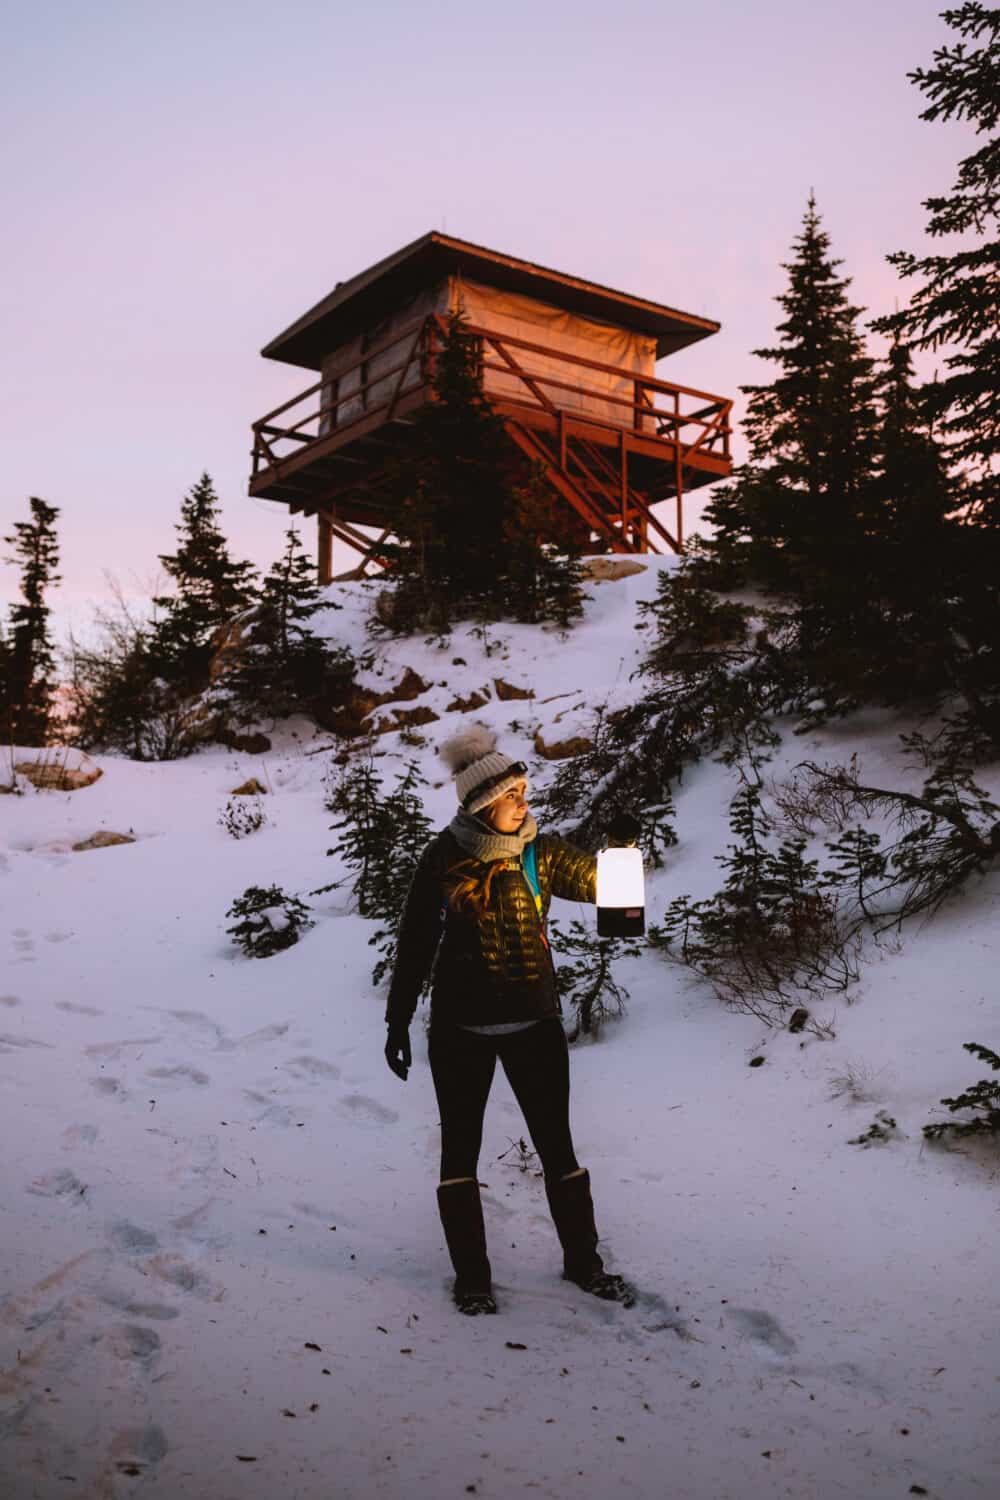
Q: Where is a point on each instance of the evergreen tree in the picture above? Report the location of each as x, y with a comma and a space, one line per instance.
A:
6, 679
797, 505
957, 306
210, 589
472, 537
380, 838
283, 668
29, 656
907, 546
541, 558
957, 303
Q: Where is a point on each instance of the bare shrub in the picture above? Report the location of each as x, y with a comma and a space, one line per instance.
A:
857, 1082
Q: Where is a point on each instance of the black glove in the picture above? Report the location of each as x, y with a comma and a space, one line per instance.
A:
397, 1049
623, 830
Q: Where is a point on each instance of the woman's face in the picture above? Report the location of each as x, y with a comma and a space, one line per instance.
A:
508, 812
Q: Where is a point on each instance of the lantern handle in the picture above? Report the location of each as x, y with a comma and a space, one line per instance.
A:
623, 831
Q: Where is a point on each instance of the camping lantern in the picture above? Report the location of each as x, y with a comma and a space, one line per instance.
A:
621, 895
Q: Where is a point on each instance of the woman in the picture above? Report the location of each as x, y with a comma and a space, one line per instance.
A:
475, 916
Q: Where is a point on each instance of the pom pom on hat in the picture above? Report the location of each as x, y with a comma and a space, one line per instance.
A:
471, 745
482, 772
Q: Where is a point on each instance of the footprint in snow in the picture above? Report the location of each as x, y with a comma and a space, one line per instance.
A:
176, 1272
256, 1038
368, 1110
114, 1049
181, 1073
132, 1239
133, 1342
24, 946
78, 1010
271, 1112
10, 1001
312, 1067
155, 1311
111, 1088
197, 1021
764, 1332
79, 1135
61, 1183
136, 1449
8, 1043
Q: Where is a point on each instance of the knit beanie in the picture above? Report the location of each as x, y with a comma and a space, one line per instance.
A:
482, 772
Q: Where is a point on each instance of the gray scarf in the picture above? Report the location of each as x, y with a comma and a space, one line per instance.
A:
484, 843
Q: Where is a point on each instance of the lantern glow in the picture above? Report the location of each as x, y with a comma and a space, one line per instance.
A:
621, 895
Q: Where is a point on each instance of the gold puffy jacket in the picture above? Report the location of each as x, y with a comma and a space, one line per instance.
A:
489, 966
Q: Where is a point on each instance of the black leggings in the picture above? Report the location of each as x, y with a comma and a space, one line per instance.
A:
536, 1062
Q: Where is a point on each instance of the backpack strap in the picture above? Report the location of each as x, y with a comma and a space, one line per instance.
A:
529, 866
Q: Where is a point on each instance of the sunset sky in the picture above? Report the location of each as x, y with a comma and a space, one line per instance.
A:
182, 180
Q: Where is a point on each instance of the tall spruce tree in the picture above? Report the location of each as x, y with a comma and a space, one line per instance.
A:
798, 504
911, 539
956, 306
957, 301
467, 527
29, 656
210, 588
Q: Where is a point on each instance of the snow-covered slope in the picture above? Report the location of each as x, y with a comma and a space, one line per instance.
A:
222, 1271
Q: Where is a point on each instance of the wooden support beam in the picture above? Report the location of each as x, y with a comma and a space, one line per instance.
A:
324, 549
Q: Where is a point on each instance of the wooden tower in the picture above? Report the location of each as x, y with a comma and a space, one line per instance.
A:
568, 366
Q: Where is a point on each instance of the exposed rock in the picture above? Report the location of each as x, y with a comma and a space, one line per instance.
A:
506, 691
562, 749
467, 705
251, 788
228, 642
250, 744
104, 839
59, 769
406, 718
410, 686
606, 569
350, 720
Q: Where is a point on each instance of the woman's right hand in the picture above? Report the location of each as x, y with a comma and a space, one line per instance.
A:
397, 1051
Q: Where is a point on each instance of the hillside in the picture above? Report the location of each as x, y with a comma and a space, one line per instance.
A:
223, 1272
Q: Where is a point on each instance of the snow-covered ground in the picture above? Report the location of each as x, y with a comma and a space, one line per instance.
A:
223, 1277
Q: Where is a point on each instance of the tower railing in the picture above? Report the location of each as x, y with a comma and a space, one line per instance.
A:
398, 372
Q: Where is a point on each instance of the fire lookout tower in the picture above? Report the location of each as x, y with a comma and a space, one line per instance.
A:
567, 364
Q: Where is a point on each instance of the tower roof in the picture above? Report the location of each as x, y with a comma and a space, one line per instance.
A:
366, 298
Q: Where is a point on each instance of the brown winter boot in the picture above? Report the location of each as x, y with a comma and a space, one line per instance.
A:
461, 1213
572, 1211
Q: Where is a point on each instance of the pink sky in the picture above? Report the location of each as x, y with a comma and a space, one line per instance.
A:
183, 180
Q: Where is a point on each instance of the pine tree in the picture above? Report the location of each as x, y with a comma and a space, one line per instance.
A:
473, 538
210, 588
541, 559
907, 545
449, 494
795, 507
957, 306
957, 303
282, 666
380, 838
29, 656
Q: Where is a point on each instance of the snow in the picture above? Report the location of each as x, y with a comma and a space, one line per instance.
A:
209, 1168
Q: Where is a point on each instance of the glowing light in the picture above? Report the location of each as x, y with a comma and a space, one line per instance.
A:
621, 893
